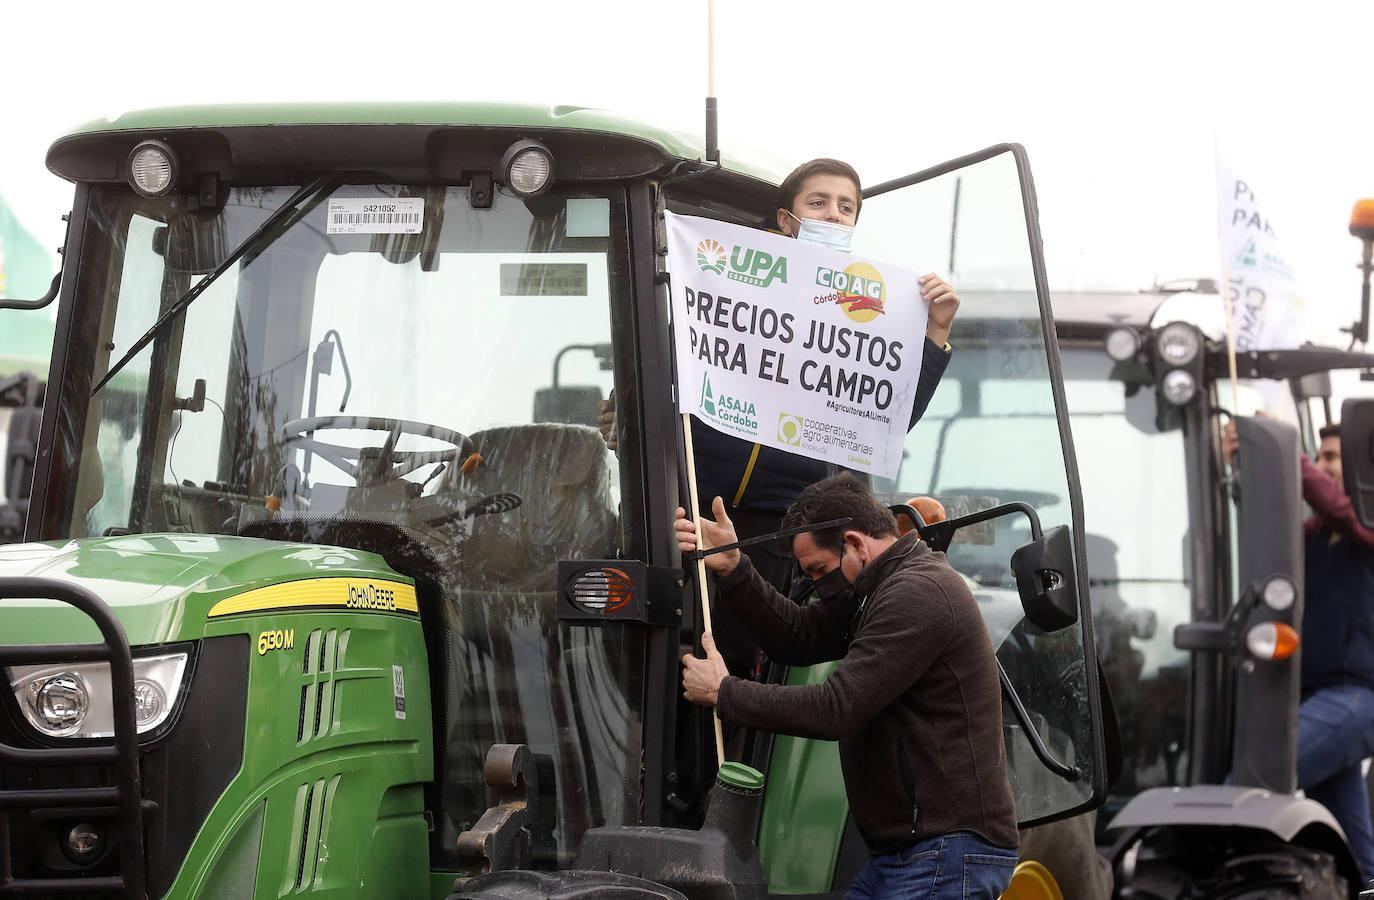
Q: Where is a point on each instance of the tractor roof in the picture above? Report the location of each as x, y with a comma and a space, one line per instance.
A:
70, 155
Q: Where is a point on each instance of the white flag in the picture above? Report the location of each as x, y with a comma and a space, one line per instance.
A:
794, 345
1263, 289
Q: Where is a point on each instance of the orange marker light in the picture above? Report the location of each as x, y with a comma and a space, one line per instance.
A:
471, 463
931, 511
1362, 220
1272, 641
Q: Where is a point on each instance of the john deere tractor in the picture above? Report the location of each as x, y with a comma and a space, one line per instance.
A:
330, 585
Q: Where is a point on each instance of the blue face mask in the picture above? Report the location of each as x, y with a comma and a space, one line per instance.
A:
828, 234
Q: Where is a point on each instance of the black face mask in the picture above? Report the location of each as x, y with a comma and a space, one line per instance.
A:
833, 585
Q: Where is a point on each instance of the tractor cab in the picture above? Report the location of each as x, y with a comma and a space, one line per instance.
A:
320, 443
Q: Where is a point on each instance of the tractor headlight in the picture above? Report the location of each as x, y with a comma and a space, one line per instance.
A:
75, 700
527, 168
1122, 343
57, 704
1179, 343
1179, 387
1279, 593
152, 168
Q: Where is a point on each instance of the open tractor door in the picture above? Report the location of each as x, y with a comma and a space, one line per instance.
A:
333, 588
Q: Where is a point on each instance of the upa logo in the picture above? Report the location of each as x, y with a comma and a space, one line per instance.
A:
756, 267
711, 256
860, 290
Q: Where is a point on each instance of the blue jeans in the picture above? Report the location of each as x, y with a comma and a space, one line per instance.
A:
953, 867
1335, 734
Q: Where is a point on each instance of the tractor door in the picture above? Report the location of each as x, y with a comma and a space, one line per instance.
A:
994, 447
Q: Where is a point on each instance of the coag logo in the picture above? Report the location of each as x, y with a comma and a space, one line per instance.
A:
860, 289
789, 429
711, 256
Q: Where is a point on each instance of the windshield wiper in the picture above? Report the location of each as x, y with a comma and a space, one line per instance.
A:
292, 211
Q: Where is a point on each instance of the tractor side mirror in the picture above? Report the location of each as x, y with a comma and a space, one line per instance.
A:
576, 405
1043, 567
1045, 579
191, 243
1357, 456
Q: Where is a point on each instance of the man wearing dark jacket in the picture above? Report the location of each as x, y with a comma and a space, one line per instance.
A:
915, 701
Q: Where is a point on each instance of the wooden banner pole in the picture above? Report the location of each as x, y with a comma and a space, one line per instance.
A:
701, 562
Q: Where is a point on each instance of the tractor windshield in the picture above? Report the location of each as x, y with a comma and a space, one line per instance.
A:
400, 372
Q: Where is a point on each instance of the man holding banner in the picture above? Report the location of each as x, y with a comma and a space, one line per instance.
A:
915, 702
839, 325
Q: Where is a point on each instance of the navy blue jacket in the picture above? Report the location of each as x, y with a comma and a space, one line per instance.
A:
779, 476
1338, 617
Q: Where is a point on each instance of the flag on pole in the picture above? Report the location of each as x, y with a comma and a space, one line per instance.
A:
1262, 288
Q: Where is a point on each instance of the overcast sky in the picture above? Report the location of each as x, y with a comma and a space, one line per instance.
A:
1118, 105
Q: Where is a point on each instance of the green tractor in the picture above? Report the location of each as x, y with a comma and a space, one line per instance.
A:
331, 587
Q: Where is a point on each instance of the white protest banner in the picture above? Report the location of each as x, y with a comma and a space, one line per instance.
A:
793, 345
1263, 289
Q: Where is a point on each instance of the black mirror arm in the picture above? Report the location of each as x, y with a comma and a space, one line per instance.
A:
1068, 773
50, 296
941, 534
772, 536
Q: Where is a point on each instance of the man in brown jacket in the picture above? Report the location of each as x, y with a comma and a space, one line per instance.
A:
915, 702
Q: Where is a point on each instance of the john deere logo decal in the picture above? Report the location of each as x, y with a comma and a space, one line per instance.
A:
711, 256
860, 290
789, 429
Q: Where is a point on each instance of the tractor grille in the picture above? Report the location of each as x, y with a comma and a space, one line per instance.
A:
309, 846
322, 659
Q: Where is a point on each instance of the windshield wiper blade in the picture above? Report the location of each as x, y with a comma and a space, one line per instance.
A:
299, 205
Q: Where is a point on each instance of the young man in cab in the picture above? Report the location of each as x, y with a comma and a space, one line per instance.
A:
819, 201
915, 702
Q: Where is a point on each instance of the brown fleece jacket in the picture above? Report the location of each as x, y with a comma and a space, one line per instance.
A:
915, 702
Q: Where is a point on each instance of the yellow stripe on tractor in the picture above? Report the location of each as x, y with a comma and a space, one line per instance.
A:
349, 594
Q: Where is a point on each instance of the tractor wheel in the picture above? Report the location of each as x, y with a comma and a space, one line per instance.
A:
566, 885
1174, 869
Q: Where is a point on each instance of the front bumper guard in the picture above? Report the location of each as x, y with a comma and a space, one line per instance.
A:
119, 752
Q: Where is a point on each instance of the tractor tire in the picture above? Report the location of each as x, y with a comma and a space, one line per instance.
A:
566, 885
1177, 869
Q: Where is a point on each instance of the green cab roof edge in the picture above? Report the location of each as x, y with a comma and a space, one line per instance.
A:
673, 143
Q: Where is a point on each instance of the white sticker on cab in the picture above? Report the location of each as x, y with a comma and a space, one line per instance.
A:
398, 690
376, 215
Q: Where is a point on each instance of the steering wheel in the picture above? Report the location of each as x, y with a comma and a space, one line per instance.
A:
377, 465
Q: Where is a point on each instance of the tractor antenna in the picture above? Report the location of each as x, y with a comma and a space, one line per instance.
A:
712, 141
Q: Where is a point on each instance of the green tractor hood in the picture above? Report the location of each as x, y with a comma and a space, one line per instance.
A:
166, 587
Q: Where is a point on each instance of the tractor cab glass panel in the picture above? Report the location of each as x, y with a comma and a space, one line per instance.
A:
401, 373
991, 437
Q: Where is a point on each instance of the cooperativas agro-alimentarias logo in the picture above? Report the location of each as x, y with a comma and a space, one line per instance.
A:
756, 267
860, 290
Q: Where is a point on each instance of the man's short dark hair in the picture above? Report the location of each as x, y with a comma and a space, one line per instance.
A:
1332, 430
838, 497
792, 184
